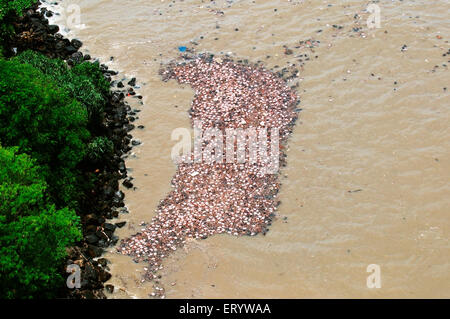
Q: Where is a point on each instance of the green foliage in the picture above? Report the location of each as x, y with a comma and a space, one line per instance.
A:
33, 233
92, 72
48, 116
99, 148
21, 188
84, 82
8, 10
45, 122
13, 6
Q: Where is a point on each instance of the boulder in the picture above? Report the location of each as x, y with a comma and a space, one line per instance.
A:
91, 239
104, 276
120, 224
127, 183
132, 82
94, 251
70, 49
76, 43
109, 288
52, 28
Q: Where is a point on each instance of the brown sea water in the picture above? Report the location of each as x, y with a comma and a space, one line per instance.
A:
368, 174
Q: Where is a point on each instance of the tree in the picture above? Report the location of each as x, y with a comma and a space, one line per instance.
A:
46, 123
13, 6
33, 233
84, 82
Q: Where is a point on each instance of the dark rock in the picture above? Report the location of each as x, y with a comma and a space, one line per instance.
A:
91, 239
102, 235
132, 82
91, 228
120, 224
103, 243
118, 199
120, 85
60, 46
108, 233
77, 57
127, 183
109, 288
119, 195
87, 294
91, 219
115, 98
108, 190
102, 261
52, 29
36, 22
94, 251
98, 294
104, 276
76, 43
126, 149
135, 142
114, 240
109, 226
70, 49
89, 272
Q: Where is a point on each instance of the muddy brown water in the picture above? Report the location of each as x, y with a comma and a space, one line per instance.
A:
368, 174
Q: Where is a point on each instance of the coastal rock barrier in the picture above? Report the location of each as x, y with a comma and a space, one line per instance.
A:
32, 31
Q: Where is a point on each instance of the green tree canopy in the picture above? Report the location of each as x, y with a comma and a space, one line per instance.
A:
33, 233
13, 6
46, 123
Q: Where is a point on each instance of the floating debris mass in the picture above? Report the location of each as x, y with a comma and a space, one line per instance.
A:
214, 198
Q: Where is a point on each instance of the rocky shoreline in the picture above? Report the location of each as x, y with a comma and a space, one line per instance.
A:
105, 201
